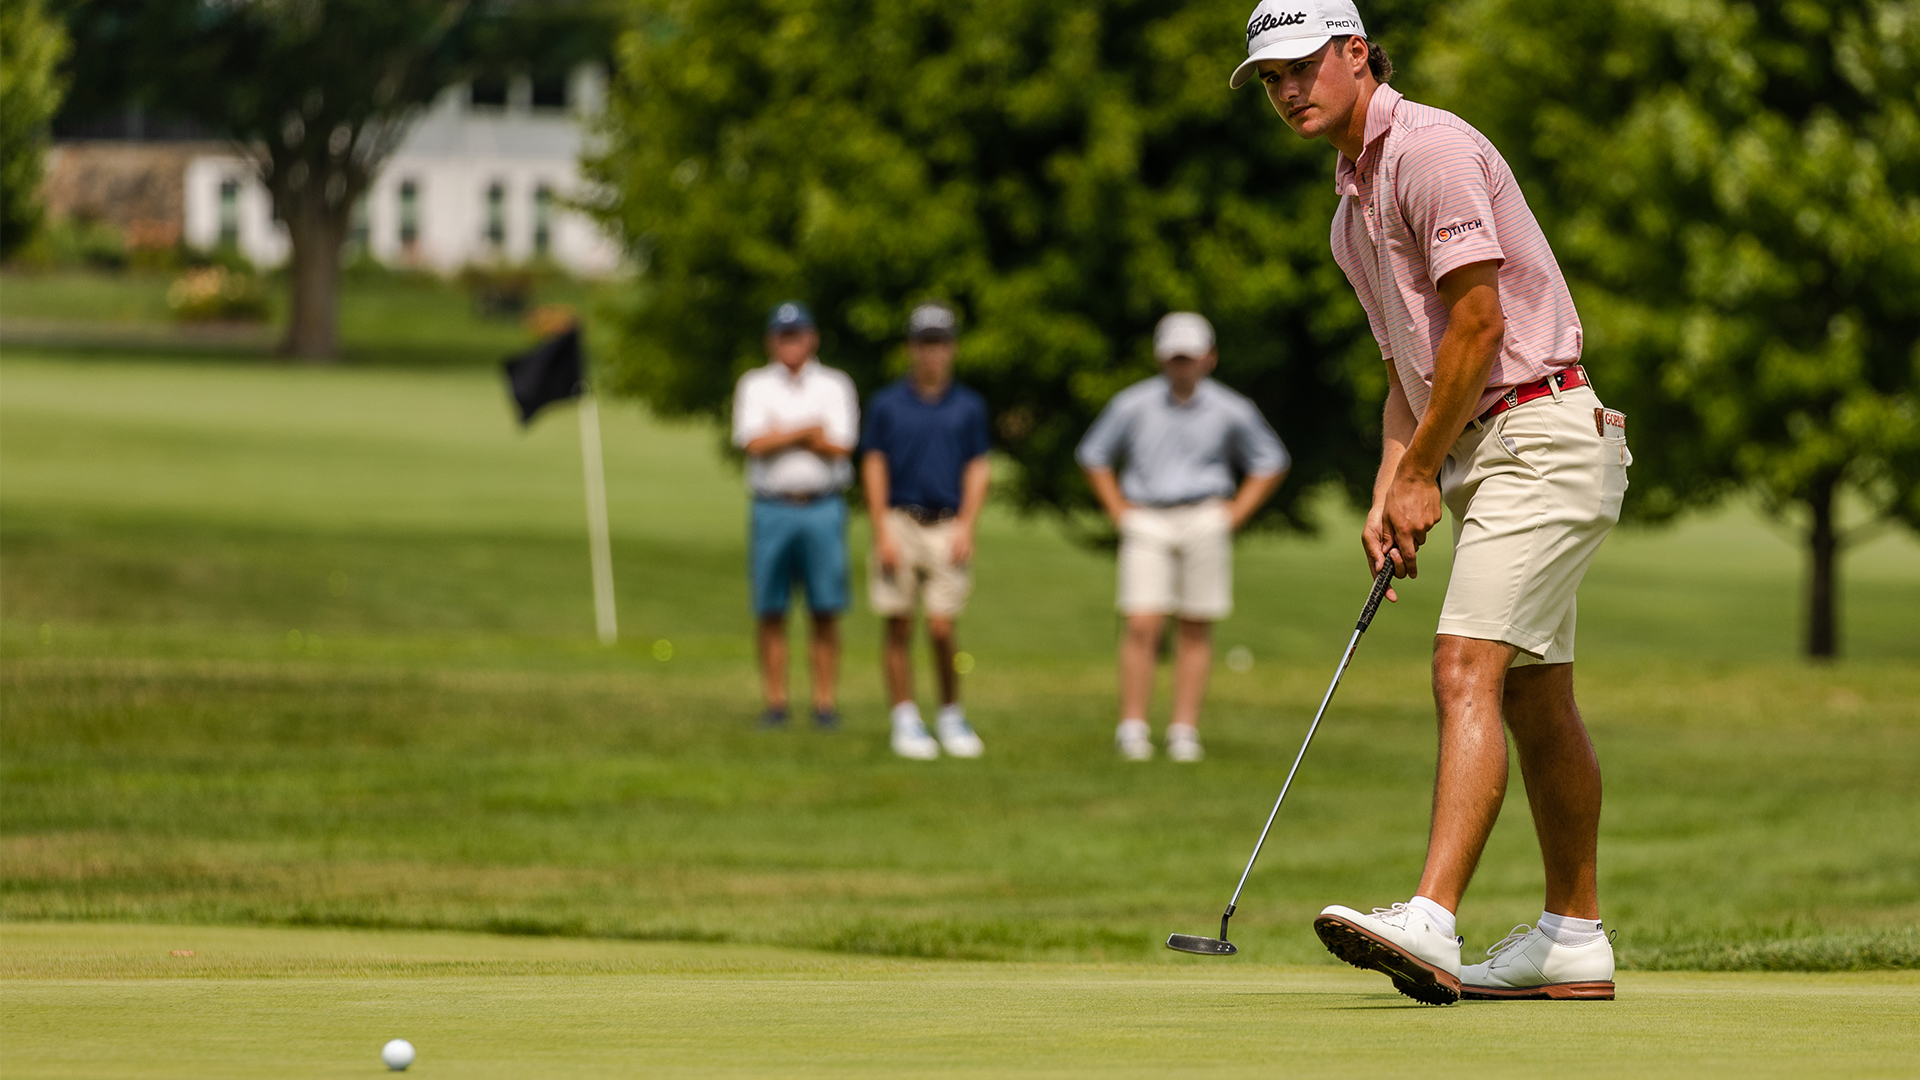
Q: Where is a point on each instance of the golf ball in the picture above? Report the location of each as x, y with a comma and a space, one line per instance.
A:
398, 1054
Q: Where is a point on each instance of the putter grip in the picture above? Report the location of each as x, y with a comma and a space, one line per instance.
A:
1380, 583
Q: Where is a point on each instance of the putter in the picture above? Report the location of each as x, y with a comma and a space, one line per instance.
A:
1220, 946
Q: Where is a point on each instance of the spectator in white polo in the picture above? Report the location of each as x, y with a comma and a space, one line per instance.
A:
1177, 441
797, 420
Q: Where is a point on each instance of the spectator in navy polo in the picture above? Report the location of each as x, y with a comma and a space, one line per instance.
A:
797, 420
925, 471
1178, 441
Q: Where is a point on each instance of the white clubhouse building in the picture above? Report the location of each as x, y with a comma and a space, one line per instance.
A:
482, 177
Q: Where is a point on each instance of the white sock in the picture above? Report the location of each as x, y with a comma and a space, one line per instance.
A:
1440, 917
1570, 931
907, 715
1177, 732
951, 715
1134, 729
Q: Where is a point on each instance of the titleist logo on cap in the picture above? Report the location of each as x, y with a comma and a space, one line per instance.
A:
1264, 21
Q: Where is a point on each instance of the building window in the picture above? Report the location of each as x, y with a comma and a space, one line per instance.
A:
357, 230
489, 92
229, 213
409, 216
542, 221
550, 92
496, 215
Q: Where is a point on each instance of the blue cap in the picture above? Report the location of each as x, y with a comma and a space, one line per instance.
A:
789, 315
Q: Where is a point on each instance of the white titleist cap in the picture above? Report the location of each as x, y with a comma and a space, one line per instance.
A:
1182, 334
1291, 29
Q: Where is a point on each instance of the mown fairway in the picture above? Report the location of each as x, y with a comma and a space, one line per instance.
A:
107, 1000
313, 648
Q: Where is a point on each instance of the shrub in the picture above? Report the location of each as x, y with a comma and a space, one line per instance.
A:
217, 293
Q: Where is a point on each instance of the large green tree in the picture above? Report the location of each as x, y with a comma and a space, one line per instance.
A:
1735, 189
1064, 173
31, 47
318, 93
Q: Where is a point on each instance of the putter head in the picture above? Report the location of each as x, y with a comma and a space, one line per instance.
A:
1200, 946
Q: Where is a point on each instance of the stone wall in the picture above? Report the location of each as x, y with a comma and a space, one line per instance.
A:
139, 187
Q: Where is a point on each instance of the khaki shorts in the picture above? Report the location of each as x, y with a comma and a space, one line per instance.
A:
927, 572
1533, 492
1177, 560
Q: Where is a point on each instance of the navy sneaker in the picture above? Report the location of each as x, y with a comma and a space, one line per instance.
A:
774, 717
826, 719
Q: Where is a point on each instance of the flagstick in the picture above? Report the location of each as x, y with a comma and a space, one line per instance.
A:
598, 540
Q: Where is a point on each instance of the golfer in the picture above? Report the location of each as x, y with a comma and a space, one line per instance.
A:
925, 471
1488, 412
1177, 439
797, 420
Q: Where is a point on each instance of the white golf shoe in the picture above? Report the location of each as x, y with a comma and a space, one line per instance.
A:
1183, 743
1398, 942
910, 738
956, 735
1529, 964
1134, 740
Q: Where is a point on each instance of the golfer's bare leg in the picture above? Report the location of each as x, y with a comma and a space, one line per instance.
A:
826, 659
1139, 657
1192, 665
772, 639
896, 657
1562, 775
945, 644
1469, 681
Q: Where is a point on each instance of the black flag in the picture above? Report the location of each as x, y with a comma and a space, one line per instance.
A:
546, 373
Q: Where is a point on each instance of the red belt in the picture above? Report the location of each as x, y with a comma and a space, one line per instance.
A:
1564, 379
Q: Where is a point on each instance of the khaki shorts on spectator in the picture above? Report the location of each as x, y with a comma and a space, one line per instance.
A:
1177, 560
927, 574
1532, 492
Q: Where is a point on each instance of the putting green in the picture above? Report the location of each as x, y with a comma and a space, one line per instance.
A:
89, 1000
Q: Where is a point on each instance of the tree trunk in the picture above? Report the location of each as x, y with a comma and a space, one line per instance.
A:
1823, 543
318, 231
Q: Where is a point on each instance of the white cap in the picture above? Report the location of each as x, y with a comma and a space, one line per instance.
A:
931, 320
1182, 334
1291, 29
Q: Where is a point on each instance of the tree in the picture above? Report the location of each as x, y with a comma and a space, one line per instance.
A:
31, 47
1064, 174
1735, 190
317, 93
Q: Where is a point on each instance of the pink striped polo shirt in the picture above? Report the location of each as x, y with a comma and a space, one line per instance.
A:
1429, 195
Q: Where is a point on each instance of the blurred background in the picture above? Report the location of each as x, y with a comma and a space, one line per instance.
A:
296, 624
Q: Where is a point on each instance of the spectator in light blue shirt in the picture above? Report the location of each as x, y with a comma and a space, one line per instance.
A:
1179, 462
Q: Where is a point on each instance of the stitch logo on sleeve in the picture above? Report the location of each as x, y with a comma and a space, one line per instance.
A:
1447, 232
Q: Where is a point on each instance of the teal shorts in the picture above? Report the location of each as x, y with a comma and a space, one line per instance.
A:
798, 542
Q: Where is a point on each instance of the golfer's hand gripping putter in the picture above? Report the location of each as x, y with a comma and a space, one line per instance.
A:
1220, 946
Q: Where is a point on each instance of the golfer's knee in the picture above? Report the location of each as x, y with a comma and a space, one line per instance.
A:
899, 629
940, 629
1144, 629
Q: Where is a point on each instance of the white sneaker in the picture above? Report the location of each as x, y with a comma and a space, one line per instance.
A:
1183, 743
1134, 740
956, 735
910, 738
1399, 942
1529, 964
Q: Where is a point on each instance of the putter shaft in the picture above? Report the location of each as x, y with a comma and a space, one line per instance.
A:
1381, 582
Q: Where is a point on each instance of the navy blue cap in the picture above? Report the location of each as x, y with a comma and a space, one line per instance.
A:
789, 315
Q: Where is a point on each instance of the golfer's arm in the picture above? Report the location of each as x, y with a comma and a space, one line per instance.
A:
775, 441
1475, 327
1254, 491
1107, 490
1397, 425
973, 490
878, 482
